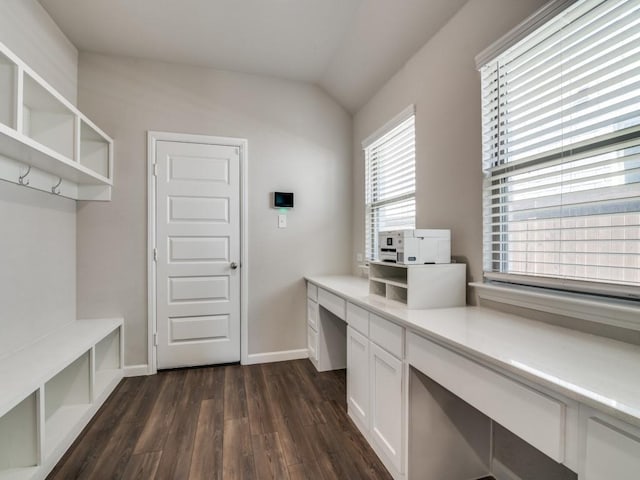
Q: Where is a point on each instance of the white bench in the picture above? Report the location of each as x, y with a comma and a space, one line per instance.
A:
50, 390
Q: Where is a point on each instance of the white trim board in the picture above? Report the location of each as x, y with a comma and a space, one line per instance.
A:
136, 370
152, 138
280, 356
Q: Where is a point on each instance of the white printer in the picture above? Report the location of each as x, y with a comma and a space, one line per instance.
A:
415, 247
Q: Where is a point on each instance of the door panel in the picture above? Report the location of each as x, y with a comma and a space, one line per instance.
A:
197, 239
198, 328
198, 249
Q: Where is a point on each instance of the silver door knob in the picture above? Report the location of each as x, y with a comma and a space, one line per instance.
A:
233, 265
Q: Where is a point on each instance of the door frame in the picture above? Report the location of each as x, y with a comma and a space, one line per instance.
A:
152, 138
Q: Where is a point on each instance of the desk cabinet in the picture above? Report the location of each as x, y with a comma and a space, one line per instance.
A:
464, 384
374, 383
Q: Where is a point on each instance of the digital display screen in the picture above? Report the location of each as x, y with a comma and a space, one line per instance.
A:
283, 199
389, 241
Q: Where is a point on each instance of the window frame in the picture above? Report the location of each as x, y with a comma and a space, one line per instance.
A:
532, 25
374, 140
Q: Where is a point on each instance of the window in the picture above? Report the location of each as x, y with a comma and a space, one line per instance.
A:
561, 153
390, 185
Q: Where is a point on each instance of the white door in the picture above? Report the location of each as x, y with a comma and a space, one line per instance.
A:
198, 254
386, 403
358, 377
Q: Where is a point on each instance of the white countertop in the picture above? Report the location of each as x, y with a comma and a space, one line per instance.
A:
596, 371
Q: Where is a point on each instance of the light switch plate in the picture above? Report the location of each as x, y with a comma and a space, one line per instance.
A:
282, 221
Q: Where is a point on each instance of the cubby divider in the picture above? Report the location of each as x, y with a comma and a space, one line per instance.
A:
108, 362
8, 83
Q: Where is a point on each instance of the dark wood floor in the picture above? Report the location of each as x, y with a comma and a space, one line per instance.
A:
273, 421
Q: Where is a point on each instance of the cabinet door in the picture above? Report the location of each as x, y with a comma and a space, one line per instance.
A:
386, 403
312, 314
611, 453
358, 377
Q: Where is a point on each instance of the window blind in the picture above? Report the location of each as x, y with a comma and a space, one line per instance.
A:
390, 182
561, 153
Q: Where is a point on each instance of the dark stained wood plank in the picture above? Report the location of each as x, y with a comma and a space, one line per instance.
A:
235, 398
237, 451
206, 462
295, 442
262, 418
268, 457
306, 471
142, 466
156, 429
213, 384
178, 447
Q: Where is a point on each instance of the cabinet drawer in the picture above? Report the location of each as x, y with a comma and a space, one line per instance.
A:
312, 314
333, 303
533, 416
386, 334
312, 292
358, 319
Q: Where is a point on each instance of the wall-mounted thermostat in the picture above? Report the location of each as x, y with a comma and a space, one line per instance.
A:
282, 199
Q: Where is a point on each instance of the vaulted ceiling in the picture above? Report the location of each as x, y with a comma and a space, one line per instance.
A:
350, 48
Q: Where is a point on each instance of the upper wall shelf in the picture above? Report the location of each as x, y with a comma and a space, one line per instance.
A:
45, 142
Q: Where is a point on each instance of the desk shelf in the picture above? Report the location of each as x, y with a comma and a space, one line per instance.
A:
419, 286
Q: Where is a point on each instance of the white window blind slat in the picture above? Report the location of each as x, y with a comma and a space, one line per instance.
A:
389, 181
561, 153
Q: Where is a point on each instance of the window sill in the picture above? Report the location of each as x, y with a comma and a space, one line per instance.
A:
618, 313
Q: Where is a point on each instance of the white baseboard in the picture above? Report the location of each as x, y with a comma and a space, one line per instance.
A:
281, 356
136, 370
501, 472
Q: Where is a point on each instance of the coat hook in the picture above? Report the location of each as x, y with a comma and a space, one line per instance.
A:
21, 178
56, 188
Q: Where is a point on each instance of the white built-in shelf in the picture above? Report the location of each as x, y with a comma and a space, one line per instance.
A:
419, 286
45, 139
50, 391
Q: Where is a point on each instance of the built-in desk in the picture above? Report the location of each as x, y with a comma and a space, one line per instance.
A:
573, 396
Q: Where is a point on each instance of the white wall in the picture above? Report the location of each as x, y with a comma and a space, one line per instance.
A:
38, 259
442, 81
38, 231
27, 29
299, 140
